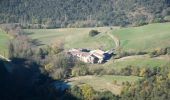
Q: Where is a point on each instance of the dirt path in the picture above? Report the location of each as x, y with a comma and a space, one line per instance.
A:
114, 38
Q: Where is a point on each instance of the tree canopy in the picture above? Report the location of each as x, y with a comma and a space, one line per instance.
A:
82, 13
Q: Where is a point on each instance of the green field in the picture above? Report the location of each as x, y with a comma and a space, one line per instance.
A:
142, 38
138, 62
134, 38
103, 83
4, 38
72, 37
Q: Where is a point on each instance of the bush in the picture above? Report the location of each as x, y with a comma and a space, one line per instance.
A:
76, 91
168, 50
167, 18
158, 52
93, 33
96, 70
106, 95
80, 69
58, 74
87, 92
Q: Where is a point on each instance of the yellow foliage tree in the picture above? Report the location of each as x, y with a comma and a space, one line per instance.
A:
142, 72
48, 67
87, 91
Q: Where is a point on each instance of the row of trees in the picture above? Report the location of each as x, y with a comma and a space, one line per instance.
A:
82, 70
83, 13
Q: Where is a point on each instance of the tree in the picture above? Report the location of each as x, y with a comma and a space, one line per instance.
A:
93, 33
143, 72
11, 49
87, 92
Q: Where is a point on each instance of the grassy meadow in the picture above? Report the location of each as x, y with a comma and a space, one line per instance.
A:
104, 83
72, 37
137, 62
143, 38
4, 38
133, 38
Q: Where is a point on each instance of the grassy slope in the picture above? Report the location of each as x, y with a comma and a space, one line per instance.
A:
137, 62
135, 38
103, 83
73, 37
3, 42
145, 37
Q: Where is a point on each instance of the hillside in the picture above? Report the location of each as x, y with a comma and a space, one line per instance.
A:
142, 38
3, 42
82, 13
133, 39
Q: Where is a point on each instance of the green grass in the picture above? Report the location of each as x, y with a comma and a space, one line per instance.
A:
72, 37
145, 37
134, 38
4, 38
137, 62
103, 83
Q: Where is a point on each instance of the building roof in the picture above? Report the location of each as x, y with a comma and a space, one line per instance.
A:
98, 51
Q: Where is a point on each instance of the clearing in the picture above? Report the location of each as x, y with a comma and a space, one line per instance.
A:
103, 83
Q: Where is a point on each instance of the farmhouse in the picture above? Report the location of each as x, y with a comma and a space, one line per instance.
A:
88, 56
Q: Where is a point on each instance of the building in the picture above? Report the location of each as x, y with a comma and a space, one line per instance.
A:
88, 56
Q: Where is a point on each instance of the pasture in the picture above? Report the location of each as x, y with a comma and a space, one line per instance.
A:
138, 61
103, 83
142, 38
4, 38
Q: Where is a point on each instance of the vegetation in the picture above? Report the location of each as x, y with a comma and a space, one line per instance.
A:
155, 87
82, 13
3, 41
40, 68
103, 83
149, 37
93, 33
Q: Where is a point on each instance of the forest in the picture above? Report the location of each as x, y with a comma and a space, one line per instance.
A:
83, 13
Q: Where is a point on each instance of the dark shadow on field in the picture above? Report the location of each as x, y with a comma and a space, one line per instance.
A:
27, 82
28, 33
36, 42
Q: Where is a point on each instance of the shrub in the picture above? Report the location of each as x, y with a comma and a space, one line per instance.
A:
126, 71
167, 18
76, 91
115, 82
79, 71
58, 74
106, 95
93, 33
96, 70
158, 52
152, 54
87, 92
168, 50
